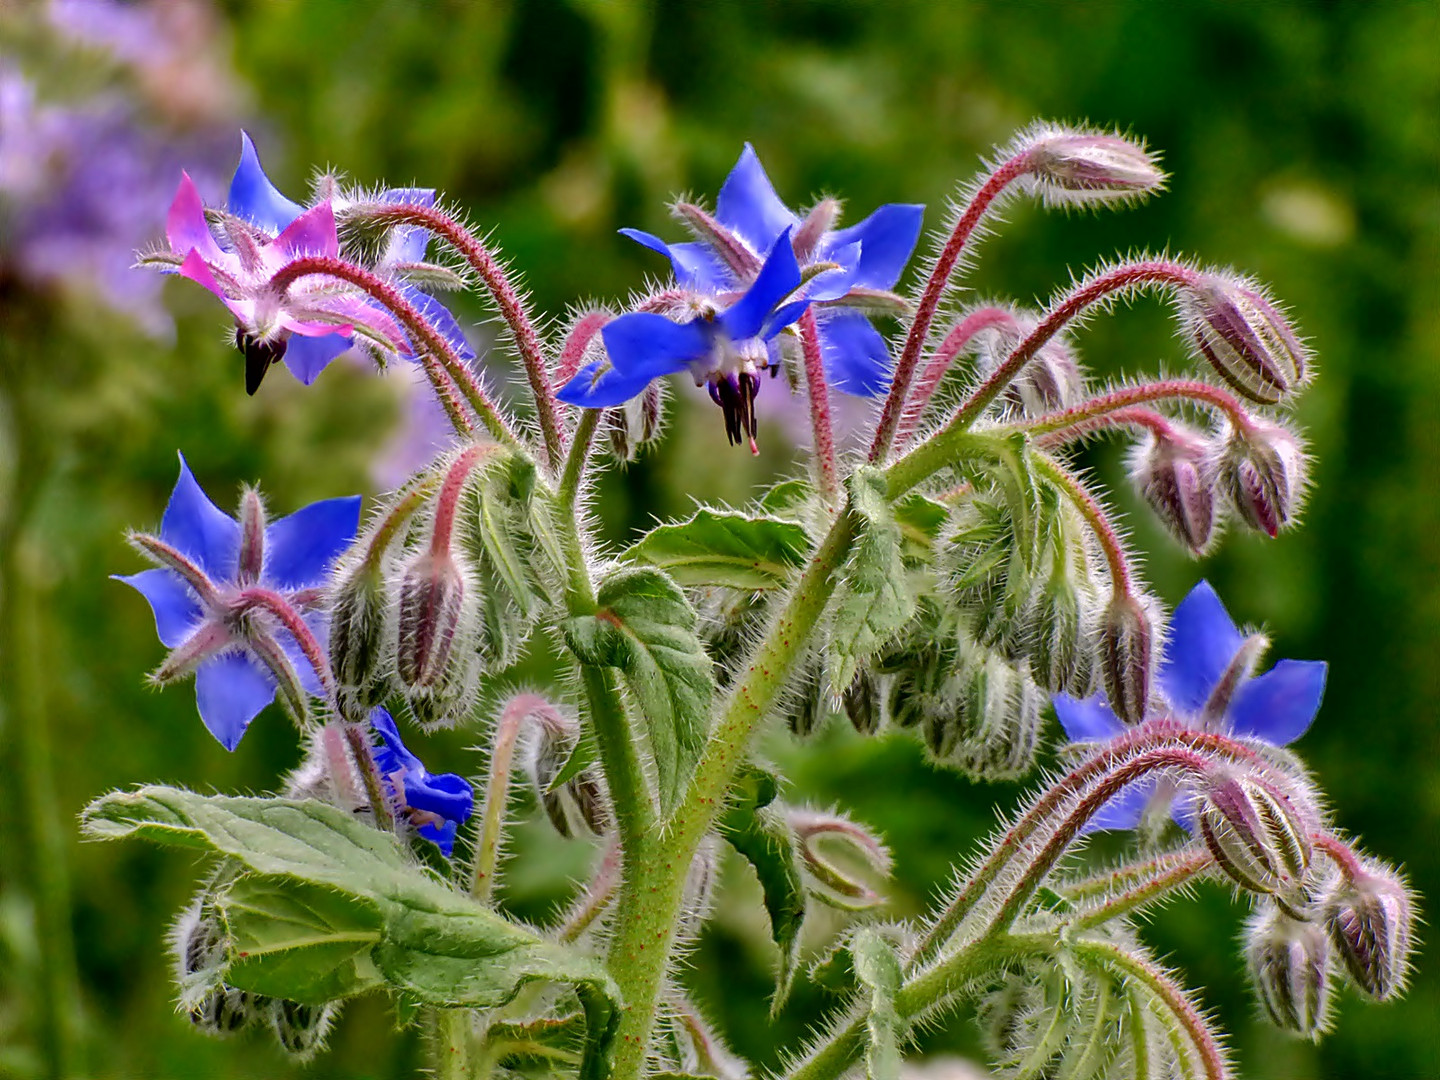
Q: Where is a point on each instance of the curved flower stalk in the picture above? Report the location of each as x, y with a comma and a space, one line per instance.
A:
949, 591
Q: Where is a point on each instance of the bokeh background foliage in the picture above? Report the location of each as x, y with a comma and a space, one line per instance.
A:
1302, 141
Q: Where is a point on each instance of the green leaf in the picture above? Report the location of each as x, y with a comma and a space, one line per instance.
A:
873, 601
878, 969
920, 520
758, 832
332, 901
718, 547
787, 498
646, 628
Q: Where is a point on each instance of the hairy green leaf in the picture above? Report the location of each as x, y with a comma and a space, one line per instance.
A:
646, 628
726, 548
765, 839
873, 601
878, 969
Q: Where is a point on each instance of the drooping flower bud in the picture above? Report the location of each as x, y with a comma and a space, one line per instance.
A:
576, 807
988, 580
843, 858
357, 636
1258, 834
862, 703
994, 732
1175, 473
1289, 963
1083, 168
431, 610
1371, 920
1263, 472
200, 953
1052, 380
301, 1029
1062, 616
1244, 337
1127, 655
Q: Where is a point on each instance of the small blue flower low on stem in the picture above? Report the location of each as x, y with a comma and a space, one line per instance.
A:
437, 803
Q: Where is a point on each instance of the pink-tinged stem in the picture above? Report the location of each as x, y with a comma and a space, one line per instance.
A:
447, 503
953, 345
1121, 575
422, 334
1340, 853
1134, 417
596, 896
1083, 417
276, 605
364, 758
818, 392
512, 308
171, 558
971, 217
394, 520
572, 353
1088, 293
1150, 735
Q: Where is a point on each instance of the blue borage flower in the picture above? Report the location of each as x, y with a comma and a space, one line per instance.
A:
867, 257
725, 347
437, 804
209, 623
307, 340
1207, 680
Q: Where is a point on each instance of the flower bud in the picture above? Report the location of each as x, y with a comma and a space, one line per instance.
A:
1081, 168
357, 637
1289, 963
576, 807
1263, 472
862, 703
1257, 834
1127, 656
1053, 379
841, 857
200, 953
431, 617
1244, 337
1371, 920
988, 580
1061, 618
1000, 720
1175, 473
301, 1029
636, 423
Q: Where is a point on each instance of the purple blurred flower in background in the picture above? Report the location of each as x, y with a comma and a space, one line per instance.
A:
1209, 683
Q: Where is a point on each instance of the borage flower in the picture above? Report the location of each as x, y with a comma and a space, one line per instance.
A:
725, 347
847, 271
436, 804
1209, 684
315, 319
230, 598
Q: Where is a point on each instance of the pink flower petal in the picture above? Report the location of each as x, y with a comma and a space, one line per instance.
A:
198, 270
313, 329
312, 233
185, 225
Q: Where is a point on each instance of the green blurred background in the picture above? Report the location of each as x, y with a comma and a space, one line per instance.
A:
1302, 139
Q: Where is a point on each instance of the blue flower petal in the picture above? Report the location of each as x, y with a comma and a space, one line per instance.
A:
445, 794
857, 360
176, 611
778, 278
599, 385
1279, 705
393, 756
833, 284
782, 317
1088, 719
748, 205
197, 527
442, 836
254, 197
438, 315
306, 357
887, 238
651, 345
408, 242
301, 548
1125, 810
230, 690
319, 624
695, 265
1203, 641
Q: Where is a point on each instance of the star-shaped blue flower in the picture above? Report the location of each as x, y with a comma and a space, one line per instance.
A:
210, 620
869, 256
437, 804
1206, 680
724, 347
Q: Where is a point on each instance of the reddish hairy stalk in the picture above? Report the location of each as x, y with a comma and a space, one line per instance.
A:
448, 501
512, 307
1121, 575
945, 264
1154, 734
1120, 418
1340, 853
369, 774
596, 895
954, 344
1082, 417
572, 354
276, 605
818, 391
1085, 295
423, 335
171, 558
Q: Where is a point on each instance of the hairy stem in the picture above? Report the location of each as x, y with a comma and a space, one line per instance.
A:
1173, 872
1081, 418
818, 393
1121, 576
974, 212
572, 353
507, 298
952, 346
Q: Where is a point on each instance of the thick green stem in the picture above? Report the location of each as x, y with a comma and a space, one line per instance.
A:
452, 1044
